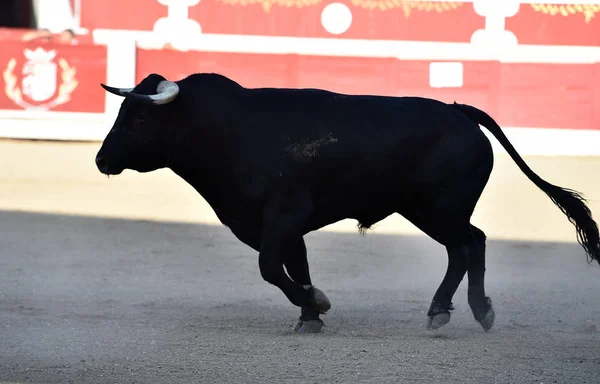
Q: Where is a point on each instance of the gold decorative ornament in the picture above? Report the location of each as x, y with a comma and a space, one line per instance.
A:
268, 4
10, 82
588, 10
407, 6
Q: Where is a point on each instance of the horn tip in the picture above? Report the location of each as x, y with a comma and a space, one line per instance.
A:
107, 87
116, 91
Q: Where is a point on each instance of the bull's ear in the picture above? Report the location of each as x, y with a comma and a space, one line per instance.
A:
117, 91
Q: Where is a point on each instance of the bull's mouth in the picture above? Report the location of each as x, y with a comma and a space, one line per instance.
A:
111, 172
106, 169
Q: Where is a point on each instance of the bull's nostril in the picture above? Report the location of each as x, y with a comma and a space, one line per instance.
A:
100, 162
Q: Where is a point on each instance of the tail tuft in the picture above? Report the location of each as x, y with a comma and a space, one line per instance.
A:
573, 205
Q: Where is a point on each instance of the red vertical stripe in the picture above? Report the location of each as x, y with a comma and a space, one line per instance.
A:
596, 97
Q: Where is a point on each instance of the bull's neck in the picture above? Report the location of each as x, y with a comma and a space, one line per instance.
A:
205, 166
203, 147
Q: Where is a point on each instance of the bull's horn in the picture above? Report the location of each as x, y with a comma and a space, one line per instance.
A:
117, 91
166, 92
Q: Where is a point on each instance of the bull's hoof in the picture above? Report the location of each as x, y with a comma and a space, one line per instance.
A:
320, 302
487, 321
309, 326
438, 320
438, 314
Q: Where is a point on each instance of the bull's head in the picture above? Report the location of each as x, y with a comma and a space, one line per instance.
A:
138, 139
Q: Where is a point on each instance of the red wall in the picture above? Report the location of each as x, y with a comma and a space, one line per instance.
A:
563, 95
535, 24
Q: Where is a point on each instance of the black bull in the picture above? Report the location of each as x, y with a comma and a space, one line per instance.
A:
275, 164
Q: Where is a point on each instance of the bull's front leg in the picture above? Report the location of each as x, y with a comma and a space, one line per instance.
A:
283, 222
297, 268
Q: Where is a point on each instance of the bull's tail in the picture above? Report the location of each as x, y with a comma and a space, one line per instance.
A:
570, 202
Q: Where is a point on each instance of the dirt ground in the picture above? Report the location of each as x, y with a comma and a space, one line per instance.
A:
128, 280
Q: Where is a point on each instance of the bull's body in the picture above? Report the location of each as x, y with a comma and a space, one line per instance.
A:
356, 157
275, 164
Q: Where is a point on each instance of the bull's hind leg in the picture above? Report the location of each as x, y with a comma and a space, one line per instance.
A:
296, 265
447, 235
480, 304
441, 305
447, 219
466, 253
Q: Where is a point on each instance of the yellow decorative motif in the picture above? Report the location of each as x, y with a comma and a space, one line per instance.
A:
407, 6
10, 82
268, 4
69, 82
588, 10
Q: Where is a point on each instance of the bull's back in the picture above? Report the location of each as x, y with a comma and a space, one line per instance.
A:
388, 154
357, 154
317, 124
347, 138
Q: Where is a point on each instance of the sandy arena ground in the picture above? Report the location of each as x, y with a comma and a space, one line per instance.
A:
129, 280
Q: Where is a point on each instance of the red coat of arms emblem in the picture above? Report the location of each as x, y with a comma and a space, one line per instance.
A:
39, 80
